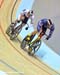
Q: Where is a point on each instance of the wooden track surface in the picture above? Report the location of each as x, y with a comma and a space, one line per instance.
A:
13, 60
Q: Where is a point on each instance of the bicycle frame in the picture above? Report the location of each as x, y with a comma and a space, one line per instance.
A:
31, 42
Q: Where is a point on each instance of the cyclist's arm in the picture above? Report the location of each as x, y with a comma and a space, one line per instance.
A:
39, 26
32, 19
21, 16
51, 31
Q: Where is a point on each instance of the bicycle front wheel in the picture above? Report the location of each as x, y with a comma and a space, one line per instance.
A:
35, 47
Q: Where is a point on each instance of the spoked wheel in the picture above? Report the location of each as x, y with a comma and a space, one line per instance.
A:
15, 33
25, 42
9, 30
34, 47
13, 36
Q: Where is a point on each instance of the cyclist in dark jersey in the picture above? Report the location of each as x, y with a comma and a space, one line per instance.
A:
42, 27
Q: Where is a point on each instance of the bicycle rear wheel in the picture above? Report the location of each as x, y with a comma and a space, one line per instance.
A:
23, 44
15, 33
9, 29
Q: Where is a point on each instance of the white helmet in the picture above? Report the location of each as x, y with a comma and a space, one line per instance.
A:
31, 12
28, 11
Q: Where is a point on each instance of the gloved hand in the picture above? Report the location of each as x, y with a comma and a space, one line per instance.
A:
26, 28
47, 38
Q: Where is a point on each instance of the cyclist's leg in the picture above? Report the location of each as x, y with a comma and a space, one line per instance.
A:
42, 33
22, 24
34, 32
19, 27
31, 36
